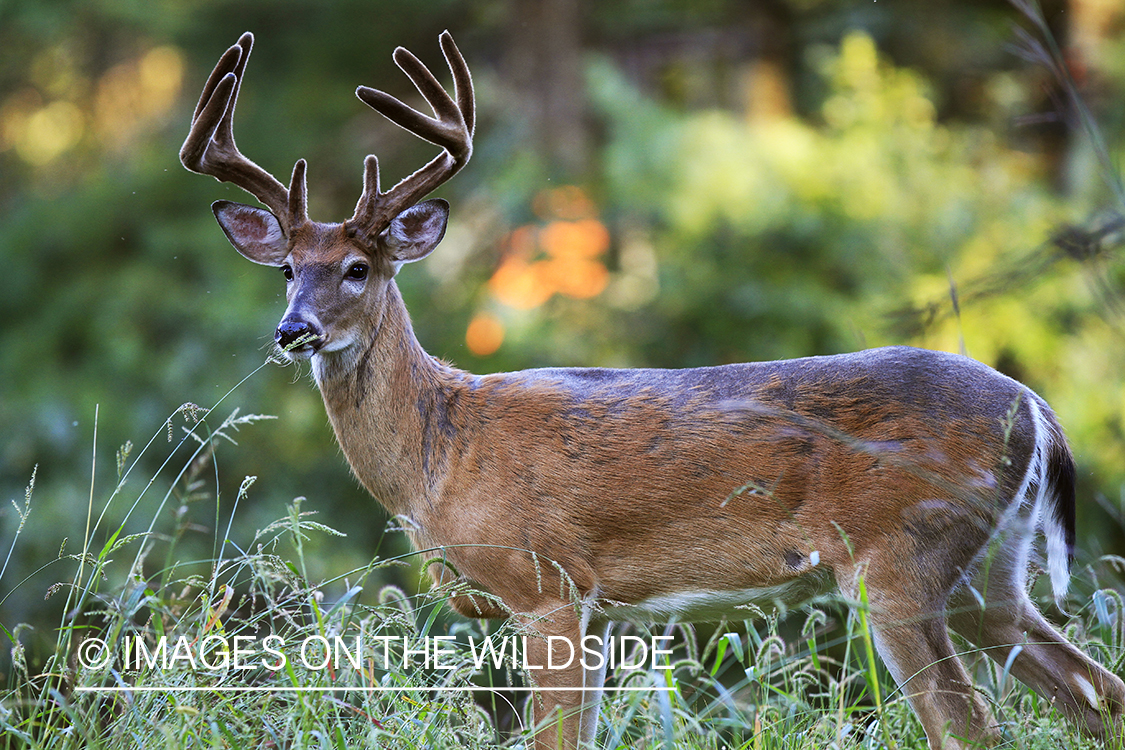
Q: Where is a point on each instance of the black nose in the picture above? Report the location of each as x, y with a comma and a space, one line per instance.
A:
293, 330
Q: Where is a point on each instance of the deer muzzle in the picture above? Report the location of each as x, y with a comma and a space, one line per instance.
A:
298, 338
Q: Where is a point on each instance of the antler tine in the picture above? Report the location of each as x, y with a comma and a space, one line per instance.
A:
227, 64
451, 128
462, 81
210, 146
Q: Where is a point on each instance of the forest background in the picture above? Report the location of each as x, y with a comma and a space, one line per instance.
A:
664, 184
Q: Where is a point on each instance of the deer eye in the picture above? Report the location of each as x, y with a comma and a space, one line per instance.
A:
358, 271
288, 272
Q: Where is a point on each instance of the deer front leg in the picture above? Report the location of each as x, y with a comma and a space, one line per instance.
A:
556, 661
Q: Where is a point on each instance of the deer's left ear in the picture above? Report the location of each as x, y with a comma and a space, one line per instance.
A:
414, 233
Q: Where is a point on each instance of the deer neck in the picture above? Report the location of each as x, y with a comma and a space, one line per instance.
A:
383, 397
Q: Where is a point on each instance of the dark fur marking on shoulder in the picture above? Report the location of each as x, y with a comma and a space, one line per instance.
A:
438, 427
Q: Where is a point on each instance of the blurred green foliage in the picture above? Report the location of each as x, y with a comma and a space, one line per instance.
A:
886, 195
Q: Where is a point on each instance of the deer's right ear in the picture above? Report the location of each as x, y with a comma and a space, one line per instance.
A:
254, 232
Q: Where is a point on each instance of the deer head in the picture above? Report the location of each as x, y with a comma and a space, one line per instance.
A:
337, 275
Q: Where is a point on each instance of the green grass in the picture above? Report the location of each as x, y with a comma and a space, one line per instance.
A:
804, 680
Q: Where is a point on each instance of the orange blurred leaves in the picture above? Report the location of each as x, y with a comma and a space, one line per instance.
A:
558, 257
484, 335
560, 254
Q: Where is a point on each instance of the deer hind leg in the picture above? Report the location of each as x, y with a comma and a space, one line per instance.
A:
908, 578
1086, 693
563, 718
912, 639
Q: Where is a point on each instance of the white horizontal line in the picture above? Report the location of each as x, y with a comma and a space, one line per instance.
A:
392, 689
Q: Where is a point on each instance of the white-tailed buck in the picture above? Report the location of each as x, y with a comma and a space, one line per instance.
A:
580, 496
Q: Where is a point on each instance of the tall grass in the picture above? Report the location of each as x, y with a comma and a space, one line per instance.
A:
95, 692
805, 679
